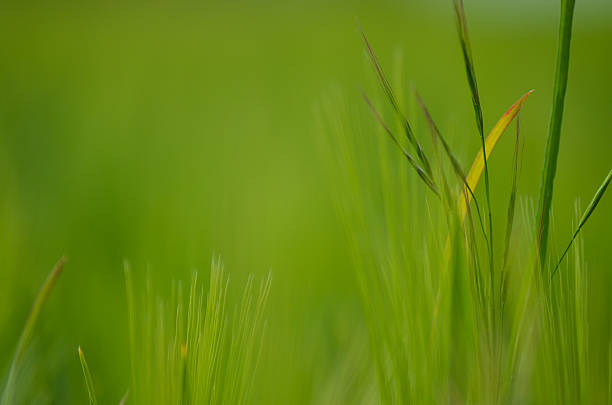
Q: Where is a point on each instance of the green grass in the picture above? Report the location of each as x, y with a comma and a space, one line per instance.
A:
553, 140
194, 349
164, 156
466, 49
500, 331
585, 216
27, 333
88, 380
183, 351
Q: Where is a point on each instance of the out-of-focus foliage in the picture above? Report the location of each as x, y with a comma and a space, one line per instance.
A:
165, 134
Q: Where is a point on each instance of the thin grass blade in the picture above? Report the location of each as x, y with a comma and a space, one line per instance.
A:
511, 210
88, 379
512, 201
587, 213
28, 329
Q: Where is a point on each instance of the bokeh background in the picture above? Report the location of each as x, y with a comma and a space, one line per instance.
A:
165, 133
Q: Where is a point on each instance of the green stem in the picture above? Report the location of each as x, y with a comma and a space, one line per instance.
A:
554, 134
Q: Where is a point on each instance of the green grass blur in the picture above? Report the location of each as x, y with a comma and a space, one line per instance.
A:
165, 134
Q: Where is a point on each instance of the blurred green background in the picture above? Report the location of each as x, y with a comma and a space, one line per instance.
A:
166, 133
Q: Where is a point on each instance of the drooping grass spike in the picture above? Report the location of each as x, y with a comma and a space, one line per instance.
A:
437, 135
384, 83
424, 176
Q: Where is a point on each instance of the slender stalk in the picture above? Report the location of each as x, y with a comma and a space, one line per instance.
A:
466, 49
554, 134
587, 213
88, 380
28, 330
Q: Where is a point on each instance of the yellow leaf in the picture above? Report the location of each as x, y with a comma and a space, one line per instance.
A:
472, 180
478, 166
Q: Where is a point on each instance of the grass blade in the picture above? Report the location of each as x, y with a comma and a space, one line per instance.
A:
131, 307
28, 329
587, 213
424, 176
554, 134
511, 209
88, 379
384, 83
494, 136
512, 201
124, 398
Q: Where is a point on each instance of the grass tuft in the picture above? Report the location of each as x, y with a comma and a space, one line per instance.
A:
195, 349
465, 337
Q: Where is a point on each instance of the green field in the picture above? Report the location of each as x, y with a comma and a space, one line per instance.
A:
168, 135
